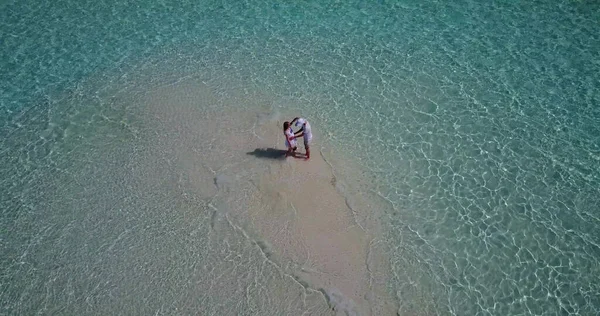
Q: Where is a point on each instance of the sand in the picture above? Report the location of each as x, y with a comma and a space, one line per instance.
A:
301, 210
308, 219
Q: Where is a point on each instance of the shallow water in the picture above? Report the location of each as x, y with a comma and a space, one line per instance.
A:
476, 127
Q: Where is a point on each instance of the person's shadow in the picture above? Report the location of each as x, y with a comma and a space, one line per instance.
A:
271, 153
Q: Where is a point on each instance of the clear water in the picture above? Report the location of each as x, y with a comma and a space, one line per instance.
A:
479, 123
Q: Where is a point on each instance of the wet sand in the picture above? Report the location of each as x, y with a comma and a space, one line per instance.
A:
309, 221
299, 208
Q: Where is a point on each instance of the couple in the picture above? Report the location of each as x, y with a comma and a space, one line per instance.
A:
290, 136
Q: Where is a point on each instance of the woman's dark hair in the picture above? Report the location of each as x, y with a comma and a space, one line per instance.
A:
286, 125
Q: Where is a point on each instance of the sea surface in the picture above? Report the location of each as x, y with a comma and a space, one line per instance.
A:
478, 123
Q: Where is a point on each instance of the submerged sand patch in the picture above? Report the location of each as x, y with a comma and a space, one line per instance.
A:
310, 222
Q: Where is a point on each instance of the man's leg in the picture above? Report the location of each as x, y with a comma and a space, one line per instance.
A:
307, 147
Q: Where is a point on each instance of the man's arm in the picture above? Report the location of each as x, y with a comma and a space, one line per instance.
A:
299, 133
294, 121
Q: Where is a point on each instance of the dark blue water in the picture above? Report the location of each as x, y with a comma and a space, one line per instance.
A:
479, 122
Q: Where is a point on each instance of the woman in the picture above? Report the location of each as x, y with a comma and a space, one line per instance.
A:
290, 138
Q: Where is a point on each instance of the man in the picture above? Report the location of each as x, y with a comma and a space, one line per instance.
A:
304, 132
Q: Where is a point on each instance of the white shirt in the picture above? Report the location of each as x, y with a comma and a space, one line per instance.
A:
305, 128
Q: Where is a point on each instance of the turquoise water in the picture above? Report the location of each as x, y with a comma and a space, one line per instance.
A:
478, 122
